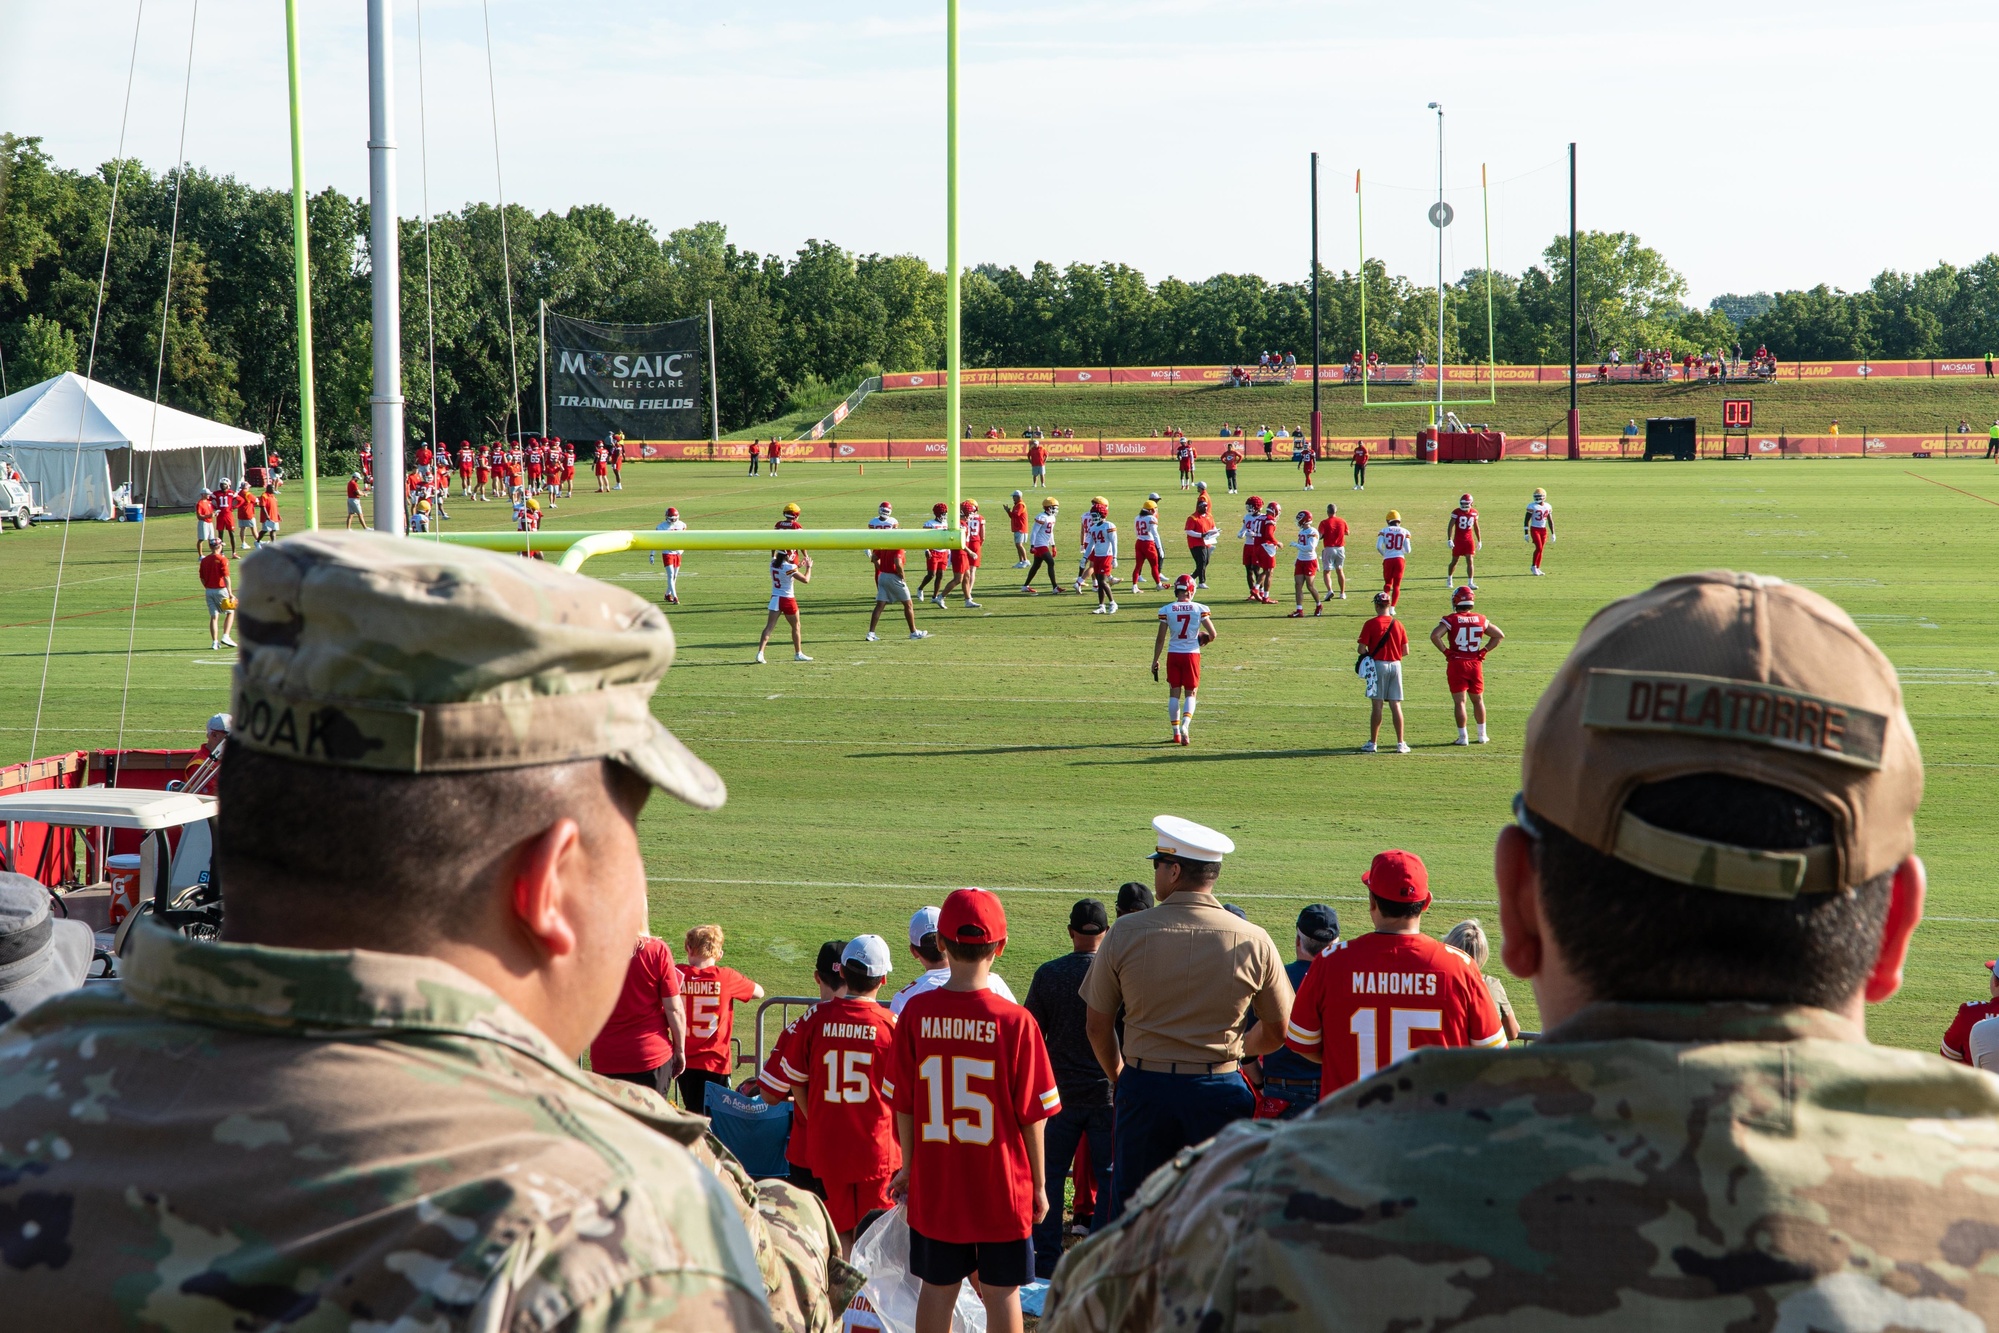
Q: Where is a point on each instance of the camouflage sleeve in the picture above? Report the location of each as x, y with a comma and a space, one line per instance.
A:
678, 1302
1167, 1262
808, 1283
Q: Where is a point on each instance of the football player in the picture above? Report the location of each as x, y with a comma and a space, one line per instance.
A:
1464, 637
1185, 627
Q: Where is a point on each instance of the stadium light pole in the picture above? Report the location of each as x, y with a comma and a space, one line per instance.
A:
302, 279
953, 428
1575, 416
1315, 302
385, 404
1442, 221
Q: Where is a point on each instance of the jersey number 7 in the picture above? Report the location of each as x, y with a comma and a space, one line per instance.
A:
1366, 1028
1185, 622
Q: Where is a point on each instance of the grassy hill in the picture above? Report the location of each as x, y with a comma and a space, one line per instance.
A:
1874, 406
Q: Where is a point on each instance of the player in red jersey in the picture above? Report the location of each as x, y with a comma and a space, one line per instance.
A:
1250, 534
1309, 462
1367, 1002
936, 564
835, 1063
1462, 532
1145, 545
1359, 466
786, 567
1464, 637
710, 993
482, 472
1267, 548
1394, 544
965, 562
890, 585
1333, 550
1183, 453
602, 467
1185, 627
971, 1085
466, 461
1957, 1038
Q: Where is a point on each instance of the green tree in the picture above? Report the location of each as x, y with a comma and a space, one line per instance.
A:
43, 350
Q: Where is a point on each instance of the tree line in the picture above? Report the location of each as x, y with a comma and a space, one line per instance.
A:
792, 333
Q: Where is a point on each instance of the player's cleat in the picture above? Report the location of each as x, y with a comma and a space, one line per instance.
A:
972, 605
1537, 571
214, 644
1319, 609
1471, 585
800, 657
1183, 738
1030, 590
1402, 747
1113, 608
1368, 748
760, 657
1483, 739
919, 634
873, 637
228, 642
1202, 584
1297, 613
943, 605
922, 595
1097, 610
1343, 596
1462, 739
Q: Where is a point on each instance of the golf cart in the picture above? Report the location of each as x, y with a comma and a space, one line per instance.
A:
17, 500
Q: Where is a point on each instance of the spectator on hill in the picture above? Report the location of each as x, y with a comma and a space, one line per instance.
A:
1054, 1000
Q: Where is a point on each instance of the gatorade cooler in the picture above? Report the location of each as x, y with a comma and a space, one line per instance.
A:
123, 871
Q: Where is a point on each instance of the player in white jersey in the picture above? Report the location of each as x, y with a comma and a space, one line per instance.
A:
1100, 550
670, 558
1305, 567
1041, 543
1145, 551
785, 569
1185, 627
1538, 527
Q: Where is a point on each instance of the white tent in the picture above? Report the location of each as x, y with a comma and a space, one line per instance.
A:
77, 441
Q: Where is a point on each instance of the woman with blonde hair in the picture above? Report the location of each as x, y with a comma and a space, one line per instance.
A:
1468, 937
711, 993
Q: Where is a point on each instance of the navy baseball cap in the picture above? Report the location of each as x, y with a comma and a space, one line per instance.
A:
1319, 922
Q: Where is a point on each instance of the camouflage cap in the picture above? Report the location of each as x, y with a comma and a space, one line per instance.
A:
374, 652
1728, 673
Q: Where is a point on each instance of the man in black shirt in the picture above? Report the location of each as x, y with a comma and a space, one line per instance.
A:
1058, 1008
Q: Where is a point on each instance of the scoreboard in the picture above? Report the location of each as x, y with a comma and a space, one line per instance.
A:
1738, 413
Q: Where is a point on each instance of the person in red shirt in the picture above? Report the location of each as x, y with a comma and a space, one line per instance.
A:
1201, 539
890, 586
1037, 466
971, 1084
603, 467
1016, 519
1462, 533
965, 563
225, 514
1359, 466
568, 471
466, 462
214, 572
483, 472
644, 1041
423, 456
1333, 550
1464, 637
836, 1064
1266, 549
1183, 453
617, 461
268, 522
1309, 462
774, 454
204, 522
1367, 1002
354, 513
936, 563
1957, 1037
1383, 645
246, 513
710, 994
775, 1086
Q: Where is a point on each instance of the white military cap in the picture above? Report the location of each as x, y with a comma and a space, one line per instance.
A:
1189, 841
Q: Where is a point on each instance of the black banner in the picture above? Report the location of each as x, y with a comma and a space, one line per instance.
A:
643, 380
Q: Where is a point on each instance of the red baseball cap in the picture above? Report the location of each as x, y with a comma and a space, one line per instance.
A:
972, 916
1398, 876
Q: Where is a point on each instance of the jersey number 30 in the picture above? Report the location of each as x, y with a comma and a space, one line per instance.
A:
975, 1127
1366, 1028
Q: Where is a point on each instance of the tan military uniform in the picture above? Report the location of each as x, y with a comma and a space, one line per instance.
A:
247, 1137
1657, 1167
1185, 972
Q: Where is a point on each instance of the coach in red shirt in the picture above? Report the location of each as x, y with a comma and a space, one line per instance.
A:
644, 1041
1383, 645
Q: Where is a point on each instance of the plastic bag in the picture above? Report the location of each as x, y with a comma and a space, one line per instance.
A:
891, 1289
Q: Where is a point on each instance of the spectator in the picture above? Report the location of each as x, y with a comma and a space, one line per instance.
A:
45, 955
1468, 937
710, 994
214, 573
1133, 896
354, 514
644, 1041
1186, 973
395, 1015
1705, 911
925, 949
776, 1084
1287, 1082
1085, 1118
1957, 1037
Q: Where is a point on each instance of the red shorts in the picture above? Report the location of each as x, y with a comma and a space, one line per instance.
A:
1266, 559
1249, 557
569, 472
1464, 548
963, 562
1047, 551
603, 469
1186, 465
1304, 569
465, 472
1465, 675
849, 1202
673, 562
1184, 670
936, 561
1148, 551
784, 605
485, 475
1103, 564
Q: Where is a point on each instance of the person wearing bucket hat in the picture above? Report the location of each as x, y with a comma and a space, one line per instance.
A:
1712, 874
41, 955
431, 884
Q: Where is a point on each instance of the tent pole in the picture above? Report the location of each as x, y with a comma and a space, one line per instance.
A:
302, 281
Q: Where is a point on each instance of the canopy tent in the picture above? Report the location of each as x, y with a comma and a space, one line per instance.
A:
77, 441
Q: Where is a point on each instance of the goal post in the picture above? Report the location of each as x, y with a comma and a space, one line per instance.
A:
1491, 350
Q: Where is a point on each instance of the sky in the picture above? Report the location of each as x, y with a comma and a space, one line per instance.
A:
1798, 144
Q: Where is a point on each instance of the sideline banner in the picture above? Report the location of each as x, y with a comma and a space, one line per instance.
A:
1384, 374
642, 380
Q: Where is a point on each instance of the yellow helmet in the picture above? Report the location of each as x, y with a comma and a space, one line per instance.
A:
1149, 506
423, 506
534, 504
1394, 516
1099, 500
1051, 503
793, 510
1540, 494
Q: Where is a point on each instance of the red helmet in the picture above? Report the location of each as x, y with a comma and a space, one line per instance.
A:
1183, 586
1463, 597
1465, 499
940, 509
967, 506
1304, 517
1255, 502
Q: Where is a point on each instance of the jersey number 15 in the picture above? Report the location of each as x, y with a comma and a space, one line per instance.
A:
1366, 1028
977, 1126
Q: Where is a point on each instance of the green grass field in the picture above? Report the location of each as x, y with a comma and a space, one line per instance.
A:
1023, 747
1888, 406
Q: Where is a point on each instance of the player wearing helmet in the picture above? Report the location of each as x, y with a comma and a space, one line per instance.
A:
1042, 542
785, 570
936, 564
1145, 538
1309, 461
1464, 637
1462, 532
1305, 569
1538, 527
1017, 520
1185, 627
1250, 534
965, 561
1183, 453
1393, 542
1098, 505
1100, 550
1266, 550
671, 559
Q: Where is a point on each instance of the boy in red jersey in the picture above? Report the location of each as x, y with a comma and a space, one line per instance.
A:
1367, 1002
837, 1065
776, 1080
1464, 637
1461, 531
971, 1085
710, 992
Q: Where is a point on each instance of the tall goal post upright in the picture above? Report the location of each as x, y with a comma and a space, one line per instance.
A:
1491, 351
953, 423
302, 279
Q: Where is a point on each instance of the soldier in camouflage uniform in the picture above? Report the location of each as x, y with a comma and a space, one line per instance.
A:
363, 1110
1711, 874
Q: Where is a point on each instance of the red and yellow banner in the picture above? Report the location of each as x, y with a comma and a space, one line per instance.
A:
1404, 374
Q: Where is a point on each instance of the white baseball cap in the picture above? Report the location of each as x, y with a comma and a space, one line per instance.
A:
923, 923
1188, 841
870, 951
220, 722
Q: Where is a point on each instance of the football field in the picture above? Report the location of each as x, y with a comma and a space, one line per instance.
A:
1024, 747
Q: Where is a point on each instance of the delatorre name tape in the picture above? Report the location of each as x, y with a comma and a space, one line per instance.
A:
1721, 708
